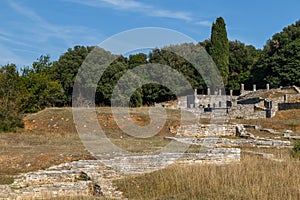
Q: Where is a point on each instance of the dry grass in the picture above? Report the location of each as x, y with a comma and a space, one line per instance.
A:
74, 198
28, 151
48, 196
253, 178
50, 138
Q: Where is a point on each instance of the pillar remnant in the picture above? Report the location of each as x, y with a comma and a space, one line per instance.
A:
208, 91
234, 103
254, 87
268, 86
242, 88
231, 93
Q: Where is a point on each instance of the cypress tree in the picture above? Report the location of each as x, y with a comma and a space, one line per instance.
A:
219, 49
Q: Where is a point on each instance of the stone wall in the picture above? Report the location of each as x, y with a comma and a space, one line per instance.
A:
289, 106
251, 106
78, 178
221, 142
203, 130
247, 111
137, 164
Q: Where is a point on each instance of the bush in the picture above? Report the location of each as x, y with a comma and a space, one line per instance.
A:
296, 150
10, 120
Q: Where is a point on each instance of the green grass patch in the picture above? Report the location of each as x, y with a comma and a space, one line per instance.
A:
6, 180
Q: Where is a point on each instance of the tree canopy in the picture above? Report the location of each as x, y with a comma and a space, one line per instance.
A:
279, 64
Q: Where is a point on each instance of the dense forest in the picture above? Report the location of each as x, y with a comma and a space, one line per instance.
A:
50, 83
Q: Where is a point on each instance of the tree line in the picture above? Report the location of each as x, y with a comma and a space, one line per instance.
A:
49, 83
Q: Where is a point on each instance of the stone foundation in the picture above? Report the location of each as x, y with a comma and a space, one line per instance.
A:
79, 178
147, 163
219, 142
203, 130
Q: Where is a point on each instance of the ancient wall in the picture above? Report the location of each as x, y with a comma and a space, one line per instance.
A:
289, 106
137, 164
203, 130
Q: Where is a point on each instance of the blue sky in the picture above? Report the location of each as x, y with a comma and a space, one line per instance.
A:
30, 28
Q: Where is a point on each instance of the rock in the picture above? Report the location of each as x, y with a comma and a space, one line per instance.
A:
271, 131
287, 133
77, 178
82, 176
95, 190
241, 132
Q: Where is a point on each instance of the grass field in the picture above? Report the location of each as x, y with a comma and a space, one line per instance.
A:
50, 138
253, 178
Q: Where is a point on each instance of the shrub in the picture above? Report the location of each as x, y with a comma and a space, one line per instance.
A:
6, 180
296, 150
10, 120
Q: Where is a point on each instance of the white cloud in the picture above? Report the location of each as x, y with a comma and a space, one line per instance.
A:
10, 39
126, 4
135, 6
204, 23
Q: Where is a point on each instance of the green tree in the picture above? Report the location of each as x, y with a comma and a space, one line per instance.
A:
66, 68
166, 57
10, 118
279, 64
109, 79
206, 44
241, 60
219, 49
9, 84
38, 90
136, 60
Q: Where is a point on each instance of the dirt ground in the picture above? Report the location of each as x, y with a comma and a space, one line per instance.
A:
50, 137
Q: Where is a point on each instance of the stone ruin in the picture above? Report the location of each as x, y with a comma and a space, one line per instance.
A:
248, 105
212, 134
95, 177
77, 178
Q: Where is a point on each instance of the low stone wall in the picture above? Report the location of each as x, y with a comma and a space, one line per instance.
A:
203, 130
217, 142
137, 164
78, 178
288, 106
215, 155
